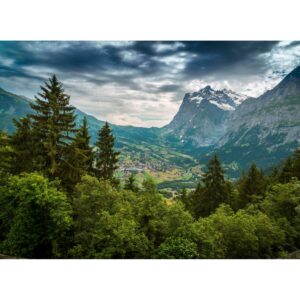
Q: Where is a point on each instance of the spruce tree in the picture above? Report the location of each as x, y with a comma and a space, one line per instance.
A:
79, 159
85, 151
287, 171
53, 126
251, 184
215, 190
22, 143
107, 157
195, 206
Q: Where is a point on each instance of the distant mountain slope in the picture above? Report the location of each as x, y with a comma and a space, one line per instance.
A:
11, 106
203, 116
265, 129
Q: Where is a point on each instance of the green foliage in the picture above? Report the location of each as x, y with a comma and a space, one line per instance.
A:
53, 124
283, 200
105, 224
23, 144
131, 184
149, 185
107, 157
251, 186
90, 198
177, 247
214, 191
247, 233
210, 242
291, 168
79, 158
34, 217
117, 234
6, 153
282, 203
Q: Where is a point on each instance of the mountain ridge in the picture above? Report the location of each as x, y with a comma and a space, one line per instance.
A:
240, 129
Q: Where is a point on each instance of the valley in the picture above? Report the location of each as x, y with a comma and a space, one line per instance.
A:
238, 128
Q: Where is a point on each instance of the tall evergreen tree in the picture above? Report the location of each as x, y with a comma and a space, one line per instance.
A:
79, 159
107, 157
22, 143
251, 184
215, 190
286, 172
53, 126
85, 151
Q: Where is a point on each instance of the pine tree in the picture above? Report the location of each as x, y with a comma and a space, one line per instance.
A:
251, 184
79, 159
22, 143
195, 201
53, 126
131, 184
82, 143
275, 175
214, 191
107, 157
286, 173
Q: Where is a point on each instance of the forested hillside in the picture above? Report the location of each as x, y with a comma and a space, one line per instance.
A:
60, 198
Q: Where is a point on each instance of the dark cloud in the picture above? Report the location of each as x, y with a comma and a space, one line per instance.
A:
144, 60
216, 56
134, 71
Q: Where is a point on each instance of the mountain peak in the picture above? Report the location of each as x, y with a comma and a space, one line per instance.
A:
207, 88
224, 99
288, 86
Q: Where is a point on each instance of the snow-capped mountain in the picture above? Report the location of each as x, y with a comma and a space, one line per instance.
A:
224, 99
203, 115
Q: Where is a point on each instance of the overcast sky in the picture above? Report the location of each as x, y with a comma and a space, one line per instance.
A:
143, 83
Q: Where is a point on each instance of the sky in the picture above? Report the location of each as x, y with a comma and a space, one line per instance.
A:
142, 83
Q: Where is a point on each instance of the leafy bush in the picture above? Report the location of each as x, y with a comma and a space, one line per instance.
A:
34, 217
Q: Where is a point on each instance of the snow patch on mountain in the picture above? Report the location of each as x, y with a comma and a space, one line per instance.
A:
197, 99
237, 98
223, 106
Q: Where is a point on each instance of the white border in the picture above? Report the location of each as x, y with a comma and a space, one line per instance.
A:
149, 20
149, 279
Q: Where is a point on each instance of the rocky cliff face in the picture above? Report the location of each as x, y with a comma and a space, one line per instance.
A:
264, 129
203, 116
274, 117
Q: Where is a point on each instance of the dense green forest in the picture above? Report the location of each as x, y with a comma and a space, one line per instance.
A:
59, 198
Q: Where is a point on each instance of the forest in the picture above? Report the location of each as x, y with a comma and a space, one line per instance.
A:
59, 198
